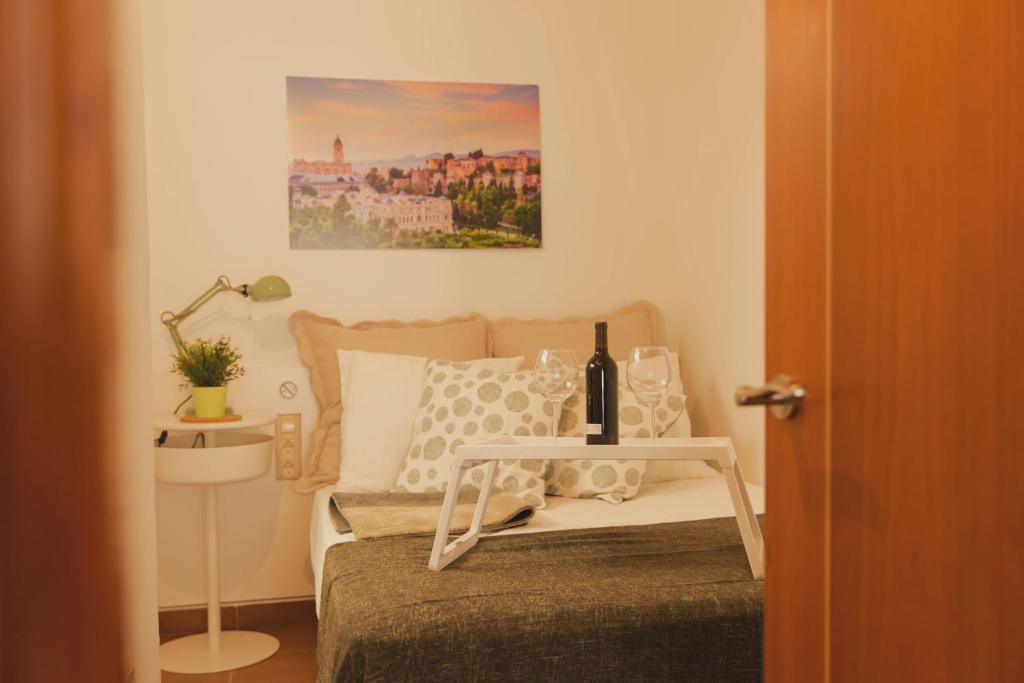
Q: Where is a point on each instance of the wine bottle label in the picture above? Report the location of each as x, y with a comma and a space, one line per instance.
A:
594, 429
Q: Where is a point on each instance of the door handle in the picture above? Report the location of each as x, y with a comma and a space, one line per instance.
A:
782, 394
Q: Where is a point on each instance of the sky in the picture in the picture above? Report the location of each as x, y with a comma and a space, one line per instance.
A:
391, 119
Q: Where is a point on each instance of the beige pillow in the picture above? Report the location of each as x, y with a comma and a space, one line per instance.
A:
463, 403
638, 324
320, 338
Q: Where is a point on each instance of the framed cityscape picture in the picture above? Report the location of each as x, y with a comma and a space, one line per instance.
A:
413, 165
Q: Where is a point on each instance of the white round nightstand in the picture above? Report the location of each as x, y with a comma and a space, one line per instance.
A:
226, 456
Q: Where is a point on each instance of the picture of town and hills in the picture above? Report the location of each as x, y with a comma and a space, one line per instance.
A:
413, 165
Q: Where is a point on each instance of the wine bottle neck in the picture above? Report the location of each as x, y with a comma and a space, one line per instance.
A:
601, 338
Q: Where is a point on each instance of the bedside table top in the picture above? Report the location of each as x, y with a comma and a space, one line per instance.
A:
173, 423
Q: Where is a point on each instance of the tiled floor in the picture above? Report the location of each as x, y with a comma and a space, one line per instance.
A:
294, 662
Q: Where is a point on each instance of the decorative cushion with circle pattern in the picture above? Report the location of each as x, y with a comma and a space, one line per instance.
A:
463, 404
611, 480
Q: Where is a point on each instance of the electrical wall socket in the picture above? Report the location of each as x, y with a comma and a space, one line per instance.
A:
288, 445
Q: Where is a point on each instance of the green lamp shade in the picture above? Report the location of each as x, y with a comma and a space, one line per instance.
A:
269, 288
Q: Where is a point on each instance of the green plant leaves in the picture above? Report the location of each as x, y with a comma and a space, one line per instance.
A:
208, 363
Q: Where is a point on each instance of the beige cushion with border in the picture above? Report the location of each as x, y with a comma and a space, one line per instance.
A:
638, 324
319, 339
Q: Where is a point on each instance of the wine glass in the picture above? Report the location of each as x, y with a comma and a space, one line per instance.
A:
557, 377
649, 374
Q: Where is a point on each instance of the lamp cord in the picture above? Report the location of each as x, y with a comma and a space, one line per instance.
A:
183, 402
160, 440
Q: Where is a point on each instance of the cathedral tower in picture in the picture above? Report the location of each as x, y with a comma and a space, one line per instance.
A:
339, 150
336, 166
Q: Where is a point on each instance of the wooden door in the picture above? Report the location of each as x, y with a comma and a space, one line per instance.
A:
895, 246
59, 604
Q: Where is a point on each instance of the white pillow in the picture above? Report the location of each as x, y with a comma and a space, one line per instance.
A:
380, 395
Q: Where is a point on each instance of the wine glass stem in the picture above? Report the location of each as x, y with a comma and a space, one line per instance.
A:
556, 419
653, 435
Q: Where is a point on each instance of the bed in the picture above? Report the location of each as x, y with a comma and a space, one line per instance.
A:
656, 587
680, 535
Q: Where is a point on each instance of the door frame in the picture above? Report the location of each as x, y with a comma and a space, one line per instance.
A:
797, 324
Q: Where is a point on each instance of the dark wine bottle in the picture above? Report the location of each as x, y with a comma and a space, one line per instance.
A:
602, 392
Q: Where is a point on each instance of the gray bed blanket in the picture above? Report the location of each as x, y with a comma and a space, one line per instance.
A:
664, 602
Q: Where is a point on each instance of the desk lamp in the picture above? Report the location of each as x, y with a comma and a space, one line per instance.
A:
267, 288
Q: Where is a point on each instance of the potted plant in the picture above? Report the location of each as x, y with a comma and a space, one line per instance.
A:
208, 366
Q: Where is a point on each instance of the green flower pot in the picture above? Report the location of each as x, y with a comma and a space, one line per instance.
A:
209, 401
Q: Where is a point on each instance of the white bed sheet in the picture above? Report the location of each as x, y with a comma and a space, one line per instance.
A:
672, 501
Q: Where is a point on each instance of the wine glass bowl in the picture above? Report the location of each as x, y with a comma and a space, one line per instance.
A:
649, 375
557, 376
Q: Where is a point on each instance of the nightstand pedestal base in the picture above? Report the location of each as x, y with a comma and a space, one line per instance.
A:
192, 654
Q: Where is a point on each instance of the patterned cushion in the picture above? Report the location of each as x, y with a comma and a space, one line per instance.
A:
611, 480
463, 403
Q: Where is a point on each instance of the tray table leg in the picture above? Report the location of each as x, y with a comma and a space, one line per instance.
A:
443, 553
750, 530
485, 493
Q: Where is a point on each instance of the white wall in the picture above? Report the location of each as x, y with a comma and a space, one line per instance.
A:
652, 142
713, 241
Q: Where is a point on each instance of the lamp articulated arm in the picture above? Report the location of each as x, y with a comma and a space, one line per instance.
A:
267, 288
171, 320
